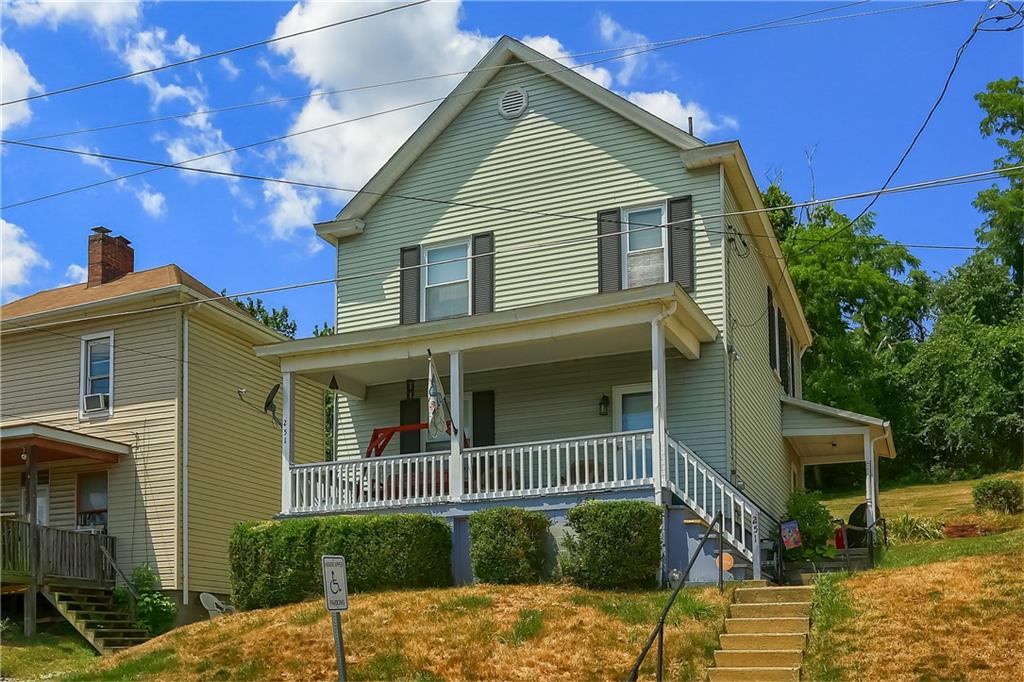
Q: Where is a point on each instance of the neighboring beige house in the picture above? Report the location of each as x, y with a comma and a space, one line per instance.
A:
611, 311
143, 407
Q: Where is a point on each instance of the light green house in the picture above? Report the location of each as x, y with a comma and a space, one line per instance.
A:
606, 300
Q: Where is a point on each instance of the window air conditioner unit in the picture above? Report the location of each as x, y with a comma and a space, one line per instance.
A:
97, 402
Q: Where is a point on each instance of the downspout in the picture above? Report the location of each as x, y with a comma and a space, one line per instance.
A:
658, 319
662, 440
874, 461
184, 461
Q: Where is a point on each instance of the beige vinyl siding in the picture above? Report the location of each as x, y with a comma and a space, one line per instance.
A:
234, 464
41, 374
561, 399
759, 456
566, 155
63, 487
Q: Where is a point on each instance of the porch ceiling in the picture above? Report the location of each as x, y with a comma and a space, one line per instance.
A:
53, 444
820, 434
550, 332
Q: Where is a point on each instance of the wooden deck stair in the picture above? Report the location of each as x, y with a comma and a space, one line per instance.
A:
765, 635
93, 612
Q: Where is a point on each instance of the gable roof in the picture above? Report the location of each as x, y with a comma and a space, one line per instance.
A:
506, 51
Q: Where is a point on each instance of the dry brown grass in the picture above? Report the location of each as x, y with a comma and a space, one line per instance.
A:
955, 620
452, 634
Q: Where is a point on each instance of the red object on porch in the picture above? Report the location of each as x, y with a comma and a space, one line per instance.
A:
840, 542
382, 435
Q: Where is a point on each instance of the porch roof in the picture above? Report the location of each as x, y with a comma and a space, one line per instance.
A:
52, 444
548, 332
820, 434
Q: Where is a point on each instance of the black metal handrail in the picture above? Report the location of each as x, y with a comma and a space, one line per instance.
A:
113, 564
659, 630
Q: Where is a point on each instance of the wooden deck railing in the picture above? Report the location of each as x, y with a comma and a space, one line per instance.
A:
63, 554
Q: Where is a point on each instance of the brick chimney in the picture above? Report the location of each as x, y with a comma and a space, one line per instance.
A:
109, 257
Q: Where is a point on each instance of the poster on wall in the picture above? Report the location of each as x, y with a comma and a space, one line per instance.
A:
791, 535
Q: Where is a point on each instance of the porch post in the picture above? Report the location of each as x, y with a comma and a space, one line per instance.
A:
287, 440
658, 404
870, 474
31, 481
455, 456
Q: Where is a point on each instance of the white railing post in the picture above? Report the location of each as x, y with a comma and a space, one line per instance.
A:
658, 400
869, 479
287, 440
455, 396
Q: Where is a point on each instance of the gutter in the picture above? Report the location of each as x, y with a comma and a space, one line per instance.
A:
184, 460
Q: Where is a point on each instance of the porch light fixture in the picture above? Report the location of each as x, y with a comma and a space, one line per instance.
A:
334, 383
410, 389
602, 406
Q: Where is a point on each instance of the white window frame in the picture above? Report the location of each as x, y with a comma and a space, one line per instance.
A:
624, 226
83, 383
626, 389
424, 248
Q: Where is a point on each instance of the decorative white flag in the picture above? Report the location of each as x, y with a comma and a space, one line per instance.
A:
437, 423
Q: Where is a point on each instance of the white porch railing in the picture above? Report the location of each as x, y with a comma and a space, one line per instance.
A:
370, 483
607, 461
708, 493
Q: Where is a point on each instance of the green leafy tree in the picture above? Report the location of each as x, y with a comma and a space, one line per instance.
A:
1003, 230
277, 319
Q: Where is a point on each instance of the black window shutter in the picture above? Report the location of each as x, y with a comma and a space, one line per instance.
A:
409, 413
483, 418
409, 286
680, 242
773, 339
609, 251
783, 353
483, 273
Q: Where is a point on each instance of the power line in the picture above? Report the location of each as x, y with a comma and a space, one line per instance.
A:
776, 23
927, 119
939, 182
405, 81
211, 55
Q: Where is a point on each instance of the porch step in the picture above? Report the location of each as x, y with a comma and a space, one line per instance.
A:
774, 595
747, 626
95, 615
765, 635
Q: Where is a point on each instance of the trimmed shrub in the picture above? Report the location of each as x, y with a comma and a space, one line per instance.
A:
815, 522
507, 545
999, 494
613, 544
278, 562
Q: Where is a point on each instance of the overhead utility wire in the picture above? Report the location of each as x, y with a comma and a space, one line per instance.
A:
533, 246
416, 79
211, 55
776, 23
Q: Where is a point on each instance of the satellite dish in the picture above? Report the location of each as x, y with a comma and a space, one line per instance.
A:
268, 405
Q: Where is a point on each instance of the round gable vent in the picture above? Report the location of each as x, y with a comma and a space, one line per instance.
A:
512, 103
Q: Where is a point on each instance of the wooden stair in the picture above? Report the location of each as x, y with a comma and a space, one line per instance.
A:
765, 635
93, 612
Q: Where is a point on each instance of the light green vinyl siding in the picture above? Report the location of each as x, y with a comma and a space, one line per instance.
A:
759, 457
557, 400
797, 418
41, 384
566, 155
234, 449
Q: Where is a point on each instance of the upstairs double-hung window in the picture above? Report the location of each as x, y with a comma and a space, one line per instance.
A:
643, 246
96, 390
446, 287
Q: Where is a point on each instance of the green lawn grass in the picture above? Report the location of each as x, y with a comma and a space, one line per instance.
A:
931, 551
54, 650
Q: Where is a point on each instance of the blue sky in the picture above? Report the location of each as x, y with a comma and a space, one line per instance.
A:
853, 91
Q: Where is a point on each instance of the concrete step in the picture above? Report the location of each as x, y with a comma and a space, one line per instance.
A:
773, 595
754, 674
785, 625
763, 642
747, 658
772, 610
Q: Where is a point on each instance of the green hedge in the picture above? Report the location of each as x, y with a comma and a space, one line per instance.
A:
278, 562
613, 544
507, 545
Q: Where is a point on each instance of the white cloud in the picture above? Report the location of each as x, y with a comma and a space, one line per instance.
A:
16, 81
229, 67
19, 257
293, 208
153, 203
75, 274
617, 35
101, 15
667, 106
552, 47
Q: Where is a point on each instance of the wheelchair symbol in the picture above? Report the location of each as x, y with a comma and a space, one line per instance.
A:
335, 586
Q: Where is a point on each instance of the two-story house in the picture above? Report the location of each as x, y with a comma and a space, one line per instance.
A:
609, 304
132, 414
